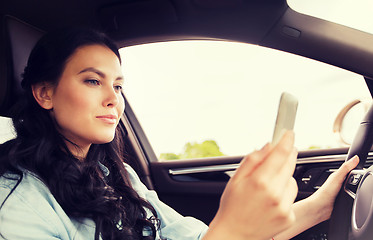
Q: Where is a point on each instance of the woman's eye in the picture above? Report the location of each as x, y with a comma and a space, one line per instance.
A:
92, 82
118, 88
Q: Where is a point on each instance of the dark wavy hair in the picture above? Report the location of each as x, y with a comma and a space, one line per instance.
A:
111, 202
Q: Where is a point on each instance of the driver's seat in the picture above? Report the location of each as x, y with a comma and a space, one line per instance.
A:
17, 41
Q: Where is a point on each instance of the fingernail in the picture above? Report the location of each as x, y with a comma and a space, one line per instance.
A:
289, 136
291, 133
355, 158
265, 148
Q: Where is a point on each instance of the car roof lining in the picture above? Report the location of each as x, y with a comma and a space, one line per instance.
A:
183, 18
269, 23
324, 41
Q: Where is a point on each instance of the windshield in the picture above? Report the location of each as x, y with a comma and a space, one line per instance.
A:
356, 14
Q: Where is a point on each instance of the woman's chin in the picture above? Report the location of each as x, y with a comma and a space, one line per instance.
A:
104, 140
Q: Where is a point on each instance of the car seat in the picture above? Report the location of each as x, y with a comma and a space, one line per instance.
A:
17, 41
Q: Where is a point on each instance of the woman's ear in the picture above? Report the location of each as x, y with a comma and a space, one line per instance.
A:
43, 93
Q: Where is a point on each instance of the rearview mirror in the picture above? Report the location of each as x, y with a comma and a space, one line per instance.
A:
348, 120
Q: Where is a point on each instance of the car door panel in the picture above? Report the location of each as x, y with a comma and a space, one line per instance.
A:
194, 187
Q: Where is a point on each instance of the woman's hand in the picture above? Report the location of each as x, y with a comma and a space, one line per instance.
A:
257, 202
325, 196
319, 206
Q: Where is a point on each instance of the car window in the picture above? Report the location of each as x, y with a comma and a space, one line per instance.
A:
213, 98
356, 14
6, 129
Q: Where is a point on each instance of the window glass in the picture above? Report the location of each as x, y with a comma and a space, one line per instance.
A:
210, 98
6, 129
356, 14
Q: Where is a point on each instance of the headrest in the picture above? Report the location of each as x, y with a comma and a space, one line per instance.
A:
19, 40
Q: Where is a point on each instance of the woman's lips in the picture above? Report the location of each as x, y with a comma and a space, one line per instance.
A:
109, 119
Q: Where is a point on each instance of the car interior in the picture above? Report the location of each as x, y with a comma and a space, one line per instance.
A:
193, 186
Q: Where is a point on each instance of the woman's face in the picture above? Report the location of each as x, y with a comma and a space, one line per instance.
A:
87, 102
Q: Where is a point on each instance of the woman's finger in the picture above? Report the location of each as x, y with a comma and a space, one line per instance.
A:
287, 199
285, 174
339, 176
347, 166
291, 191
252, 161
281, 156
326, 194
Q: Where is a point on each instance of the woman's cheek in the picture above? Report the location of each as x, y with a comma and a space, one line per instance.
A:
122, 106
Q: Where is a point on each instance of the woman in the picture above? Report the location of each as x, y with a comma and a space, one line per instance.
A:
63, 176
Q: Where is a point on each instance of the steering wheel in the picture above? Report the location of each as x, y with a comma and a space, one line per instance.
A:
352, 216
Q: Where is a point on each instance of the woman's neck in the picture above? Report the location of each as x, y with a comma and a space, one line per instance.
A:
78, 152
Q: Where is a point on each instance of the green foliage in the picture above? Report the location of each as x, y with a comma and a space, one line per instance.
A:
169, 156
208, 148
315, 147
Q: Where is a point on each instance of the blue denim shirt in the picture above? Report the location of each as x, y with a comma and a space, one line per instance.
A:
31, 212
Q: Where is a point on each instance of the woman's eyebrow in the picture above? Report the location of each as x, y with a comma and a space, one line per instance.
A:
98, 72
94, 70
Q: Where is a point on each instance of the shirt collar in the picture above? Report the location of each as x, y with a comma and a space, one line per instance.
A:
104, 169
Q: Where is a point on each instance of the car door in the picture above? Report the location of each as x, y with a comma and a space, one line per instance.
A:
226, 100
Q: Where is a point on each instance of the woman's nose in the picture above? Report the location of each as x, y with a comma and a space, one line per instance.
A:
111, 97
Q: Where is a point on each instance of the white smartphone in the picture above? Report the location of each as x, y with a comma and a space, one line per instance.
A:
286, 113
